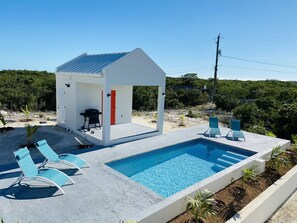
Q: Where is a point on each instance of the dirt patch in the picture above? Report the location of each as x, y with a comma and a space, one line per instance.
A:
236, 196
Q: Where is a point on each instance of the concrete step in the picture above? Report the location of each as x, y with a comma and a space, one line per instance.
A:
236, 155
218, 168
230, 158
224, 163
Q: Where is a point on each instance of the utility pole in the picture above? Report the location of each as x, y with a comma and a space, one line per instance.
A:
218, 52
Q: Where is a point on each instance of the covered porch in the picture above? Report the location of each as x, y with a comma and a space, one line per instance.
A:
105, 82
119, 133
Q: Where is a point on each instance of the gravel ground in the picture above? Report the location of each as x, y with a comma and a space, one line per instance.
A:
287, 213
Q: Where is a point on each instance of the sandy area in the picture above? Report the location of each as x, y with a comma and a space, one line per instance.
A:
173, 119
18, 119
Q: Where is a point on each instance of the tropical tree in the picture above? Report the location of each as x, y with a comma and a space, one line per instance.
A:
202, 206
277, 159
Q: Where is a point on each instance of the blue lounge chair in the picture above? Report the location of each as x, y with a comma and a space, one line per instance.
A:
31, 173
213, 128
51, 156
235, 130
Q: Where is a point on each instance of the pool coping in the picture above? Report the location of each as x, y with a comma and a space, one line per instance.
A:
119, 197
179, 146
174, 205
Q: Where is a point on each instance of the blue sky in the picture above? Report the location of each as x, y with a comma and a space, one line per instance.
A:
259, 38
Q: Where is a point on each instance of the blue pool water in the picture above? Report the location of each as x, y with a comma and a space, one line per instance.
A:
169, 170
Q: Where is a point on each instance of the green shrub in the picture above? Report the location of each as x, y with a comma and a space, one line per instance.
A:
18, 88
247, 113
191, 114
285, 121
258, 129
225, 102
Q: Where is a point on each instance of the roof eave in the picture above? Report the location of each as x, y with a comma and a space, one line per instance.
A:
96, 75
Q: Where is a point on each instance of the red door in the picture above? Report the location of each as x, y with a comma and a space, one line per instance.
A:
112, 107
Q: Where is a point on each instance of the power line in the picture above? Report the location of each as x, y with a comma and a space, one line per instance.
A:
184, 46
261, 40
248, 68
183, 60
189, 70
259, 62
193, 68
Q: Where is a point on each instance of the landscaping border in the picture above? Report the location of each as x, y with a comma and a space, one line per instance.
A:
264, 205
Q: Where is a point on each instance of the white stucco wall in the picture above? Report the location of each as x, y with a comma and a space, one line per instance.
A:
60, 85
77, 97
136, 68
85, 93
88, 96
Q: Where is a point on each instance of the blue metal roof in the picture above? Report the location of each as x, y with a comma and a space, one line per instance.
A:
90, 63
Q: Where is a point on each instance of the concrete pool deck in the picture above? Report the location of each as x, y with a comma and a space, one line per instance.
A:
102, 194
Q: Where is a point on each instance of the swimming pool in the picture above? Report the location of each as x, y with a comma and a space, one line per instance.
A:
169, 170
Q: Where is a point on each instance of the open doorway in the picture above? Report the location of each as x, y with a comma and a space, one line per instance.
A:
145, 104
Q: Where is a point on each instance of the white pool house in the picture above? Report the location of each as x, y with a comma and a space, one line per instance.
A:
105, 82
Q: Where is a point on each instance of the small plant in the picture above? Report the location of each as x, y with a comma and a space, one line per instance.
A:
294, 139
26, 112
182, 120
31, 130
191, 114
2, 221
271, 134
40, 115
202, 206
277, 159
155, 117
249, 175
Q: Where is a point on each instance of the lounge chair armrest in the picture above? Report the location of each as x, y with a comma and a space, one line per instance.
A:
66, 154
44, 169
